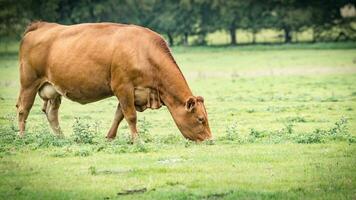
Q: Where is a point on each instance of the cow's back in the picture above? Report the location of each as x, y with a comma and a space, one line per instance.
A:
45, 43
78, 59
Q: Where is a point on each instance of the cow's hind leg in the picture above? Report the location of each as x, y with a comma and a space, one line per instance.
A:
24, 105
52, 114
44, 106
52, 101
30, 84
119, 116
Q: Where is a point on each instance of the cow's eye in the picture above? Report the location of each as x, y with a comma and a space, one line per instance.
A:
201, 119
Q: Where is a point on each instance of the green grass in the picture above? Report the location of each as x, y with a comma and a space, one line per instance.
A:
283, 117
250, 171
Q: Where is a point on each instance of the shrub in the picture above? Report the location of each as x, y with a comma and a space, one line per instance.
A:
43, 137
232, 133
188, 143
139, 146
40, 136
254, 135
209, 142
352, 139
144, 132
288, 128
83, 132
92, 170
340, 130
316, 136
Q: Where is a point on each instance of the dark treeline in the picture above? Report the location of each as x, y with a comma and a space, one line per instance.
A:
180, 19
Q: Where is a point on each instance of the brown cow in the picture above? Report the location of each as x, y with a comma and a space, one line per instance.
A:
89, 62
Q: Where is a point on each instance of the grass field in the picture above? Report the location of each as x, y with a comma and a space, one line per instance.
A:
283, 118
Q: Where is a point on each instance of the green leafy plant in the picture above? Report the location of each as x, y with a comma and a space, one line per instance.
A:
83, 132
339, 130
257, 134
288, 128
233, 134
144, 130
92, 170
316, 136
83, 152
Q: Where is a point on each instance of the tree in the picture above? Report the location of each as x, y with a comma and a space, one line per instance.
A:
182, 18
232, 14
289, 15
207, 16
164, 20
175, 18
256, 17
187, 23
11, 19
326, 14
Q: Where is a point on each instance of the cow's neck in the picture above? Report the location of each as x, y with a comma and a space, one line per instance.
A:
173, 87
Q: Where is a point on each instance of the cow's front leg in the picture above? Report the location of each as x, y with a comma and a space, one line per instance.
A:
127, 104
115, 124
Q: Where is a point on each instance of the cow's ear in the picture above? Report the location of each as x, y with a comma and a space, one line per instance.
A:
200, 99
190, 104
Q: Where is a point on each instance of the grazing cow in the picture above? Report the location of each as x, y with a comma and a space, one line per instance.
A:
89, 62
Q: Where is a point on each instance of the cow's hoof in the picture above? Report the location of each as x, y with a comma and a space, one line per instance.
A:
109, 139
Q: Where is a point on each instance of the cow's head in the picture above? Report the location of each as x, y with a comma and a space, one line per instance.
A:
192, 119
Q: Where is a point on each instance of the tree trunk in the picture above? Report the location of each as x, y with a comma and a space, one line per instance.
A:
316, 34
253, 37
202, 38
170, 39
296, 36
233, 35
185, 39
287, 35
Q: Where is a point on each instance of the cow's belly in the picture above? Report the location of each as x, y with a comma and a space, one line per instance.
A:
82, 87
83, 95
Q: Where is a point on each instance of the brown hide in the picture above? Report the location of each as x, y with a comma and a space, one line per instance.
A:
147, 98
89, 62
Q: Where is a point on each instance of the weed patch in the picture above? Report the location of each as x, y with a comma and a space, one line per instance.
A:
339, 131
233, 134
83, 132
144, 130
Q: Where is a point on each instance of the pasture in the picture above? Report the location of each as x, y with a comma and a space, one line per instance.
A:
283, 118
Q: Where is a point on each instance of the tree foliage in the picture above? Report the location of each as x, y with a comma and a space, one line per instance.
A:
179, 19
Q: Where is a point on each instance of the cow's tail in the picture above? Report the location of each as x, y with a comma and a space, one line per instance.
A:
33, 26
